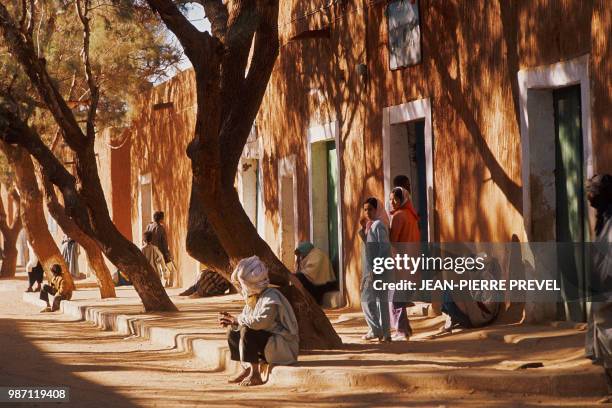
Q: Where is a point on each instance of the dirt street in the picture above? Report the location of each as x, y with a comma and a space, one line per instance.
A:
104, 369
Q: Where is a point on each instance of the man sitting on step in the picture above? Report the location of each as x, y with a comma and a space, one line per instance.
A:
58, 287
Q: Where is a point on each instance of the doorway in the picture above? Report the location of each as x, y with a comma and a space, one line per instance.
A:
325, 194
570, 221
408, 158
556, 193
408, 149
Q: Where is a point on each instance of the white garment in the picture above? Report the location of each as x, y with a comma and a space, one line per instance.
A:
274, 314
317, 267
32, 258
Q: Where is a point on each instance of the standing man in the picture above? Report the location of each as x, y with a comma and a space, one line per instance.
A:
160, 240
599, 334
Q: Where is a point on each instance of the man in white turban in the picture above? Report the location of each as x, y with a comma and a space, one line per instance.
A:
266, 329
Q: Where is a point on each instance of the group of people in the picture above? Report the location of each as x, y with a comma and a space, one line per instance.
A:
381, 232
156, 251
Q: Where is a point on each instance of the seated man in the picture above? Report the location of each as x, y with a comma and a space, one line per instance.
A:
479, 308
58, 287
207, 283
266, 329
314, 270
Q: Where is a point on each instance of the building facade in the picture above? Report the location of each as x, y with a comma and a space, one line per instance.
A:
496, 110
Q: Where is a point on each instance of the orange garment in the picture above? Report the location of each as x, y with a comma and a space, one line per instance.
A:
404, 224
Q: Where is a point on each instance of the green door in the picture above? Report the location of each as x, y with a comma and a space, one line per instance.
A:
332, 204
570, 208
421, 185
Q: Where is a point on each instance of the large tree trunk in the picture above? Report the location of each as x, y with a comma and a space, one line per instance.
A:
91, 248
32, 213
10, 234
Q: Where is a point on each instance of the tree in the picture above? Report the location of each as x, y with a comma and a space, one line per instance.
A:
82, 192
32, 213
232, 66
10, 232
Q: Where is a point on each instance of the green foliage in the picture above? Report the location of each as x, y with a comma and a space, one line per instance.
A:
128, 51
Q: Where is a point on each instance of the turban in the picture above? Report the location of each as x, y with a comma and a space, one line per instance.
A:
252, 275
304, 248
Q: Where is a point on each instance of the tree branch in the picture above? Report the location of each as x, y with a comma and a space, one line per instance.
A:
216, 12
14, 131
235, 131
242, 25
94, 90
21, 46
195, 43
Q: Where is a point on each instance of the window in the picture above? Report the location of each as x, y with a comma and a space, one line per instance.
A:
404, 33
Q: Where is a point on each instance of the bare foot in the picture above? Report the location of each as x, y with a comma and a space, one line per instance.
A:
605, 400
244, 374
253, 379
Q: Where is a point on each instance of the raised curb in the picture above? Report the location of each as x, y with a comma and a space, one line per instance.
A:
215, 354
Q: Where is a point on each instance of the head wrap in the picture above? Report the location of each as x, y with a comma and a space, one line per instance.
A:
252, 275
379, 215
405, 195
304, 247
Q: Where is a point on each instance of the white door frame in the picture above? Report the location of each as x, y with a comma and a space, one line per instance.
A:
143, 179
323, 133
559, 75
408, 112
286, 168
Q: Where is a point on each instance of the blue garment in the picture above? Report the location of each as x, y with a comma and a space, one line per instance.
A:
375, 303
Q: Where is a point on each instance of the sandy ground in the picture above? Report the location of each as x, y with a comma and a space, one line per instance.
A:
104, 369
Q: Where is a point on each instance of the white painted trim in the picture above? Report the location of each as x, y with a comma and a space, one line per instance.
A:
143, 179
408, 112
323, 133
286, 168
260, 176
561, 74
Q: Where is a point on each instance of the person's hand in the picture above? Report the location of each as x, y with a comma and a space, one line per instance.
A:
363, 221
225, 319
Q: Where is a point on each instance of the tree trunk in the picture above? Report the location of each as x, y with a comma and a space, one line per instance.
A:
32, 213
119, 250
10, 234
91, 248
229, 221
9, 263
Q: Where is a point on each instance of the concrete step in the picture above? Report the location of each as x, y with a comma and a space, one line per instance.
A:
211, 348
